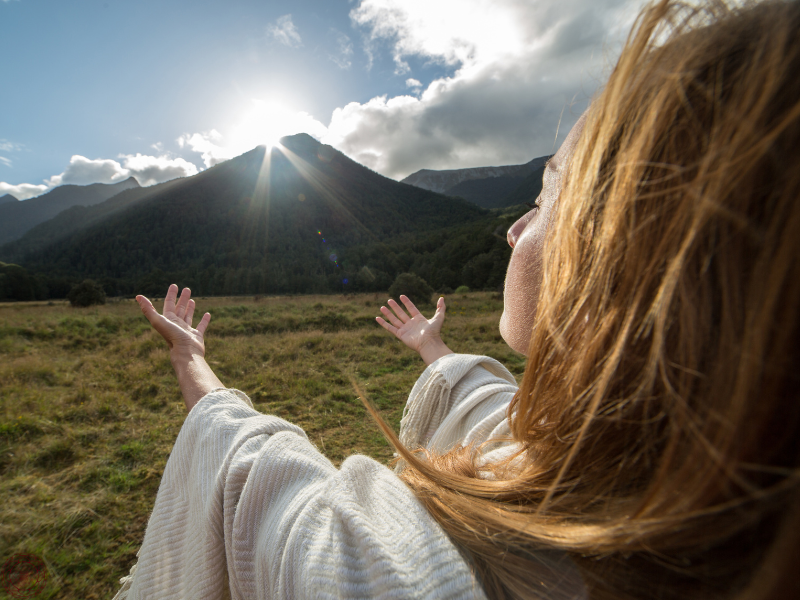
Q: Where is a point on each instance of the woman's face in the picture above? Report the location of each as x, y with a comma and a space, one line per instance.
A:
526, 237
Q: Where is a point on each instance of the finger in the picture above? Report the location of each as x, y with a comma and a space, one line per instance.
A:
412, 310
203, 324
189, 313
392, 319
401, 314
386, 326
183, 302
169, 301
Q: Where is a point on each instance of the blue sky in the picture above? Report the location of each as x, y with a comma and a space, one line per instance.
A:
98, 90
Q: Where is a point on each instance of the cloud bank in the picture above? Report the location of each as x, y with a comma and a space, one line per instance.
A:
518, 67
23, 191
148, 170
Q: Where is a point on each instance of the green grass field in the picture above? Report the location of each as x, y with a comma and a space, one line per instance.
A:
90, 408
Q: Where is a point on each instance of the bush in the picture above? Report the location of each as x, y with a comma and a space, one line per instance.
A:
462, 289
413, 286
87, 293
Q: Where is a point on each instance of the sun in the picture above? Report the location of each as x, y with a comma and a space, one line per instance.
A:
266, 122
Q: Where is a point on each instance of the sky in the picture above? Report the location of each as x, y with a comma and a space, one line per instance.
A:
95, 91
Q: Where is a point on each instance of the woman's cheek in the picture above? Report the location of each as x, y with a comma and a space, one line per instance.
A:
521, 292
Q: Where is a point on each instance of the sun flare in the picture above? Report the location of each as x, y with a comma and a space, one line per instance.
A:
267, 122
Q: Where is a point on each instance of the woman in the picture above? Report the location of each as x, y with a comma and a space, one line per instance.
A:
653, 447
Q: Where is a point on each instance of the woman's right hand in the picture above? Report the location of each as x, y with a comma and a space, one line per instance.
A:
175, 323
187, 348
414, 330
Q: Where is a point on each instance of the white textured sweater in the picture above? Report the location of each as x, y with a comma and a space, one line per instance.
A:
249, 508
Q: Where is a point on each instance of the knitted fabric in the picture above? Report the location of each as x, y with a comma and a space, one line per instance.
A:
249, 508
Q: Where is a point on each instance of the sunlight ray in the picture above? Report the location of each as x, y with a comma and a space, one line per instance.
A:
317, 180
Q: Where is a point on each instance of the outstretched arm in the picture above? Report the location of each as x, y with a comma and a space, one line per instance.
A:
414, 330
186, 344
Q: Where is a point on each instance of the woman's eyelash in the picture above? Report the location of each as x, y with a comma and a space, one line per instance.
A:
534, 204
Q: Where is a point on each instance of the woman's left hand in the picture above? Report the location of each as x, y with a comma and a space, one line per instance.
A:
414, 330
175, 322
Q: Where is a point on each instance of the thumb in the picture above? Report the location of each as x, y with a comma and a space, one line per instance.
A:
147, 307
440, 309
156, 320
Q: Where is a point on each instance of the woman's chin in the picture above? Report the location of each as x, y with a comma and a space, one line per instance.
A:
511, 335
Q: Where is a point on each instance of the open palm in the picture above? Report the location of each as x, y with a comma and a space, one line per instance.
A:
412, 328
175, 322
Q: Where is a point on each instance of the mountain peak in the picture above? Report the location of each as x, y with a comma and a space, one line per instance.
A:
8, 198
301, 144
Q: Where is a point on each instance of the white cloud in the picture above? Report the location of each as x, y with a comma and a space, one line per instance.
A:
147, 170
264, 124
413, 83
23, 191
344, 56
517, 66
285, 31
206, 144
83, 171
9, 146
5, 161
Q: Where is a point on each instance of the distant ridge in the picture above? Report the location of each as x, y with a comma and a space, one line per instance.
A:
68, 222
298, 218
8, 198
441, 181
18, 217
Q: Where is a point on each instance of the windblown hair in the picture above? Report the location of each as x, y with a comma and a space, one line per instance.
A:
659, 412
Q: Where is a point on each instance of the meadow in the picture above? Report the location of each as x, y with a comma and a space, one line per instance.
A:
90, 408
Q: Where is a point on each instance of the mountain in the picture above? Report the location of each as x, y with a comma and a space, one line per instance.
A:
18, 217
70, 221
526, 192
299, 218
7, 198
441, 181
488, 193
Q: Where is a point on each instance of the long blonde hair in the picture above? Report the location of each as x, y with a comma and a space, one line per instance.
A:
659, 411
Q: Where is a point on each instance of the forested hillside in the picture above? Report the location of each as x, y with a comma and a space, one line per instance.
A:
298, 219
18, 217
75, 218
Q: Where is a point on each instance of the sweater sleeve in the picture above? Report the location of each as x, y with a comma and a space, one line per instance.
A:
459, 399
248, 508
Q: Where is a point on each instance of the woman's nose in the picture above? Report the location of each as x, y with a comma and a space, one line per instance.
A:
516, 230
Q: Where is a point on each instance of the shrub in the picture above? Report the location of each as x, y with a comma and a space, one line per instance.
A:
17, 284
413, 286
462, 289
87, 293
